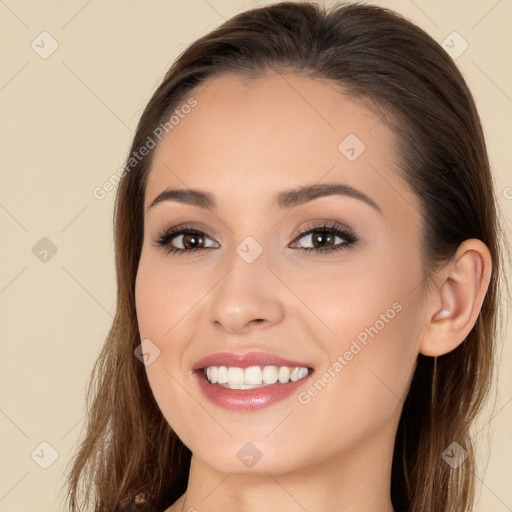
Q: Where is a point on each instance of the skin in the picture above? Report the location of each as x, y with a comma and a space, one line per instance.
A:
245, 141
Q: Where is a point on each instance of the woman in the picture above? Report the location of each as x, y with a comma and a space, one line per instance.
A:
308, 255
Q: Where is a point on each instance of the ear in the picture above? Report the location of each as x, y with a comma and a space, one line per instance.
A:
455, 303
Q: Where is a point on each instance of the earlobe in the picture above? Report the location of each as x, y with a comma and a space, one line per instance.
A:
457, 300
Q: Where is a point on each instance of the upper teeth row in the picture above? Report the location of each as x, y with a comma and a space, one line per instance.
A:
253, 375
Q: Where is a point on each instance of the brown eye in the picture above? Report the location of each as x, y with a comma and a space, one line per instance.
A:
192, 241
182, 240
327, 238
322, 239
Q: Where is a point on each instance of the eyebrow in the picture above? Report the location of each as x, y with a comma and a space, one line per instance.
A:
285, 199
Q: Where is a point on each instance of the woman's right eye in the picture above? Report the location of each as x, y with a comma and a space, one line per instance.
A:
182, 240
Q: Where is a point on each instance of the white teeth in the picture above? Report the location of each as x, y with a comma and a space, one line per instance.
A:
269, 374
253, 376
284, 374
294, 375
236, 376
222, 375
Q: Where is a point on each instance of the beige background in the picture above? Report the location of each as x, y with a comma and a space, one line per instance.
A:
67, 122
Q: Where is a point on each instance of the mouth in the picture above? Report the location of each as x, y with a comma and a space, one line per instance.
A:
249, 381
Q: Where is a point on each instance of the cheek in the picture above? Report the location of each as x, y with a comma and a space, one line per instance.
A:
356, 293
360, 391
150, 298
164, 296
371, 309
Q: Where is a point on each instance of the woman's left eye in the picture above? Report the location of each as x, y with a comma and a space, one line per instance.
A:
326, 234
190, 239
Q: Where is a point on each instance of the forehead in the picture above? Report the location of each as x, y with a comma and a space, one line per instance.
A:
255, 136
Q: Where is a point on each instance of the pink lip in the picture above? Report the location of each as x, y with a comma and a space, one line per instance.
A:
245, 360
247, 399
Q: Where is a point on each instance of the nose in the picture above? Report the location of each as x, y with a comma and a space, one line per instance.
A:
247, 297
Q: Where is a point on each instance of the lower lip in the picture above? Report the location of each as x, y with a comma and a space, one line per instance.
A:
248, 399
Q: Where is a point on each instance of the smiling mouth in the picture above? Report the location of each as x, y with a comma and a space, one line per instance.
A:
253, 377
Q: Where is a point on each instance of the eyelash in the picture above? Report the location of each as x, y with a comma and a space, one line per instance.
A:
163, 240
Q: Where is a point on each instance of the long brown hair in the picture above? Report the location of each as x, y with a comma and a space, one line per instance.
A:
129, 452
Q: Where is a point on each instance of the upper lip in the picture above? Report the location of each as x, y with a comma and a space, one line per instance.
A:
244, 360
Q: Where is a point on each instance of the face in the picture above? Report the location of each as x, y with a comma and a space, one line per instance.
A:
325, 282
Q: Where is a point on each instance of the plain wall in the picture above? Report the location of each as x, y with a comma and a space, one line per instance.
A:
67, 123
